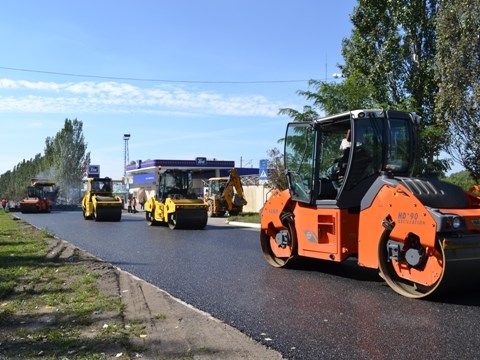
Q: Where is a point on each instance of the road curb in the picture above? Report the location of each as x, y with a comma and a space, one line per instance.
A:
237, 223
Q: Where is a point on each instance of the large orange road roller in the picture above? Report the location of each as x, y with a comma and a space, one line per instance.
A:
351, 194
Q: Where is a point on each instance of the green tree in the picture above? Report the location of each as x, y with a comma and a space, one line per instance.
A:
353, 93
276, 170
62, 161
462, 179
13, 184
389, 63
67, 153
308, 114
458, 74
393, 46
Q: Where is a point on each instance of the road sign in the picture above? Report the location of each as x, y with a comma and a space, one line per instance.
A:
263, 170
93, 171
201, 161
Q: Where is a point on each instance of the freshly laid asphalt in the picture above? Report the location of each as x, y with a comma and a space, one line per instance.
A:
316, 310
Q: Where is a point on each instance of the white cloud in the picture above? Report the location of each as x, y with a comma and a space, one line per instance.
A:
8, 84
102, 97
40, 85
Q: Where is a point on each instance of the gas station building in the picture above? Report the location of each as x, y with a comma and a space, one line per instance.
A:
142, 177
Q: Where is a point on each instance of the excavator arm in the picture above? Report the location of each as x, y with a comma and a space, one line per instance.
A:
237, 197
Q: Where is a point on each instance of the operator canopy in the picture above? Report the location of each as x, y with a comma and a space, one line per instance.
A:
339, 157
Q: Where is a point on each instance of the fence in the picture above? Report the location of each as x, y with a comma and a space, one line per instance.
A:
256, 195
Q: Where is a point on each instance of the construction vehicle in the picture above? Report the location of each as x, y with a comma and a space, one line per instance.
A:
225, 194
420, 233
41, 195
99, 202
175, 203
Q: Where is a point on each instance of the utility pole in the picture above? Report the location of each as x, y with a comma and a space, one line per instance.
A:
126, 137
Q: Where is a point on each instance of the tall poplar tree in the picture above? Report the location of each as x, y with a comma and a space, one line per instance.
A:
389, 63
393, 46
67, 152
458, 75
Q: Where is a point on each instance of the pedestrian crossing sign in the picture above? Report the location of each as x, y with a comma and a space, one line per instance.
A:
263, 170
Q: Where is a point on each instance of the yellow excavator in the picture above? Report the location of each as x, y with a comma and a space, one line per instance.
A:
99, 203
175, 203
225, 194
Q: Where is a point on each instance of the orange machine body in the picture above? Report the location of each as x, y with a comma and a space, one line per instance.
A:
329, 234
418, 232
40, 197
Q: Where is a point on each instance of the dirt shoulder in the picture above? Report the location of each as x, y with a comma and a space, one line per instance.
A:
171, 328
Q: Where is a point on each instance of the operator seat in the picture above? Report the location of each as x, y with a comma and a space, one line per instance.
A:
360, 168
327, 190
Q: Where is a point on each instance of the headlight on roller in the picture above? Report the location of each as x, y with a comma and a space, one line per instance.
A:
456, 223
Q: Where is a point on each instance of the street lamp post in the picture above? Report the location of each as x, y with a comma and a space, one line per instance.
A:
126, 137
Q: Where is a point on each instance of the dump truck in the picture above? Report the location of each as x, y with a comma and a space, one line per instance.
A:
99, 203
41, 195
175, 203
225, 194
362, 202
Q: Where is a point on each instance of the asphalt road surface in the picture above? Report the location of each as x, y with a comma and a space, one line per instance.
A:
317, 310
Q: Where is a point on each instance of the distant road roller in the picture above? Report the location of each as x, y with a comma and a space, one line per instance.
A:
175, 203
351, 194
99, 203
41, 196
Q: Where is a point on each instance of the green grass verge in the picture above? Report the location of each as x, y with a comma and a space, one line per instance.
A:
50, 308
249, 217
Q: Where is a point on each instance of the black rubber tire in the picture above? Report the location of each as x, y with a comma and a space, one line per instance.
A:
172, 221
150, 218
268, 253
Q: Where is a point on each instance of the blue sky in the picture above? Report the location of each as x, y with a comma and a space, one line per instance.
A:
185, 78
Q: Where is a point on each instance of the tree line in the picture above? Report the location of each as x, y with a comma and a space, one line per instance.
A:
412, 55
63, 161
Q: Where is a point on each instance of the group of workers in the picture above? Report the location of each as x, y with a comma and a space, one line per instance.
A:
132, 205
